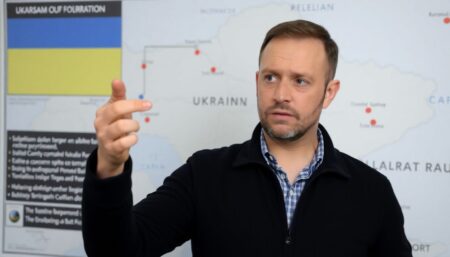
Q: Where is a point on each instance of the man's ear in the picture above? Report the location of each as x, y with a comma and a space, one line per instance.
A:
256, 80
330, 92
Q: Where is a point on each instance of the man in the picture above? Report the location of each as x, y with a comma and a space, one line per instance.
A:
285, 192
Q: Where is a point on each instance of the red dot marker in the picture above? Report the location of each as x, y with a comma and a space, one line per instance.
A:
147, 119
368, 110
447, 20
197, 52
373, 122
143, 66
213, 69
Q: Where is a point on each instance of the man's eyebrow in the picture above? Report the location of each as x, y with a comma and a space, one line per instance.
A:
292, 74
269, 70
302, 75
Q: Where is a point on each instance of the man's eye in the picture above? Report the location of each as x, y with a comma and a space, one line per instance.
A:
269, 78
301, 82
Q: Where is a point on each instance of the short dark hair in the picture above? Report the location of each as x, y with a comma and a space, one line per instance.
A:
305, 29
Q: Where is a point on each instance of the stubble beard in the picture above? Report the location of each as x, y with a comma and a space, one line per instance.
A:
294, 134
302, 126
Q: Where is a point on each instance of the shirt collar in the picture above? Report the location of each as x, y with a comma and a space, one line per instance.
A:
334, 162
307, 171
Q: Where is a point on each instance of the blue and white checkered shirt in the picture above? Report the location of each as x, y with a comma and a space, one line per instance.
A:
292, 192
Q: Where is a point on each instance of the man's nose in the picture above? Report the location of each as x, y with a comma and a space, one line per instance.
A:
282, 92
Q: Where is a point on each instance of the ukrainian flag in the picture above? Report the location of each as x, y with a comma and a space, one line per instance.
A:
63, 55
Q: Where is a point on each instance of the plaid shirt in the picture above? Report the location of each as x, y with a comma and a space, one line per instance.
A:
291, 193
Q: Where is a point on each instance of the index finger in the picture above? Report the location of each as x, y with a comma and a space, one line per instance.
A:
123, 108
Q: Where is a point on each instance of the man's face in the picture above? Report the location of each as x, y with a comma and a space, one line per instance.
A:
292, 87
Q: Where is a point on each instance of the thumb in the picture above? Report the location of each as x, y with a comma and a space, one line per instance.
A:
118, 91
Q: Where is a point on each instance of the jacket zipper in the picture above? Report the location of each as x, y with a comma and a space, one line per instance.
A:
288, 230
288, 240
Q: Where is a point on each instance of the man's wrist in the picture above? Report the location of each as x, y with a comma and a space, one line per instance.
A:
107, 171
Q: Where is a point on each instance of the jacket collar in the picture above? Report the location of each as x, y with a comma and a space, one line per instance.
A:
251, 154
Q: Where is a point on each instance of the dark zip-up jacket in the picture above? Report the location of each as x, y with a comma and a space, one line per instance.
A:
230, 204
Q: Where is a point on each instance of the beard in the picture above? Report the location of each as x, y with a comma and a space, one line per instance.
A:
298, 130
289, 136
